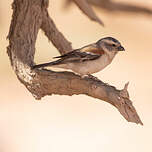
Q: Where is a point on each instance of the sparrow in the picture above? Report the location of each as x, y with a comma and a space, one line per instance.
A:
89, 59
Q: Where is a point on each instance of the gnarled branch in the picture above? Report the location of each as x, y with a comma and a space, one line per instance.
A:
28, 17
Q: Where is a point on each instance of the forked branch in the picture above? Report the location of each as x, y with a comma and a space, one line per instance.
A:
29, 16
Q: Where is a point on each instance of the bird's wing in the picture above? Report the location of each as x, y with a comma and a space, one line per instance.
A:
92, 48
77, 56
89, 52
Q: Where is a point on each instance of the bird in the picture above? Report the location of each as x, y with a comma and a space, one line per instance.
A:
89, 59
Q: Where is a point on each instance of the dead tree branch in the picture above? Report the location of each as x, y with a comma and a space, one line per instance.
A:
56, 37
108, 6
123, 7
86, 9
29, 16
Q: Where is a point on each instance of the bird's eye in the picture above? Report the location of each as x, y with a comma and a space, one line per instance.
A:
114, 45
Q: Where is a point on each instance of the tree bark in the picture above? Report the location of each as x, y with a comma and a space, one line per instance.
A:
29, 16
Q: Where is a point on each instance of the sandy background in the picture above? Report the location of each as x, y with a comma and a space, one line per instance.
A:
79, 123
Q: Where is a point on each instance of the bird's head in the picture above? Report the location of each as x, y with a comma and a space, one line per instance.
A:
109, 45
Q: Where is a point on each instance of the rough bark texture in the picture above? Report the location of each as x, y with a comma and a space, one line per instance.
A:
28, 17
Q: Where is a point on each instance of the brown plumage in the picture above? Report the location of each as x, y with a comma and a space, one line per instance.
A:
89, 59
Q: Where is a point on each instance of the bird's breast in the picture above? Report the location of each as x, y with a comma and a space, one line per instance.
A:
92, 66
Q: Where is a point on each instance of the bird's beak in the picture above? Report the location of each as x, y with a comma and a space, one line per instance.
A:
121, 48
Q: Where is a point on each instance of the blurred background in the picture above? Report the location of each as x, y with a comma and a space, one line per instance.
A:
80, 123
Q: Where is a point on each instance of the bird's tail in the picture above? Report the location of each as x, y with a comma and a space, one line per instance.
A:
46, 64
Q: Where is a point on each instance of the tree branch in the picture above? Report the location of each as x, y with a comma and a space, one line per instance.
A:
87, 9
67, 83
56, 37
113, 7
28, 17
124, 7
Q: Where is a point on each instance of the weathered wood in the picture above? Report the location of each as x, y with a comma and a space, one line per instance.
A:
29, 16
